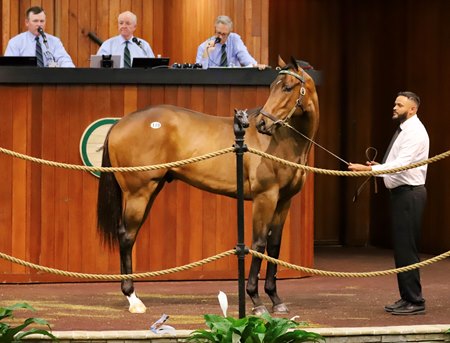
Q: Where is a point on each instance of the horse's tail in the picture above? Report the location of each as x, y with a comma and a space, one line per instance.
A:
109, 202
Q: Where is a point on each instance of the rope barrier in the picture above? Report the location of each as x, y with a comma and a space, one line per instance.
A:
350, 173
310, 271
218, 153
233, 251
116, 169
351, 274
115, 277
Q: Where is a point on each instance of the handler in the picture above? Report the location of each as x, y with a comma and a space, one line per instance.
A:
408, 195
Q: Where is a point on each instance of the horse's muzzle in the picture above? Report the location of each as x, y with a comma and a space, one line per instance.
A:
262, 128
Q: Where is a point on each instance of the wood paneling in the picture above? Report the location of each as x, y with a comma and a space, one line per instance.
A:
174, 28
368, 51
48, 215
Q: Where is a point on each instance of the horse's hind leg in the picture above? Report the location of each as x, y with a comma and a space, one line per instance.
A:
273, 250
134, 215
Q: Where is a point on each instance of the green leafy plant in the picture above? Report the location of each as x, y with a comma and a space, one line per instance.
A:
252, 329
15, 334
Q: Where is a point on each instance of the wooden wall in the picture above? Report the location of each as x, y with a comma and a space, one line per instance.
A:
368, 51
174, 28
48, 215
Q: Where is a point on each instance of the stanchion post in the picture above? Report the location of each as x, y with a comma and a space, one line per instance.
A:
241, 251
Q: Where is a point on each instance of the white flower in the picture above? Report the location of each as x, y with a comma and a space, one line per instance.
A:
223, 302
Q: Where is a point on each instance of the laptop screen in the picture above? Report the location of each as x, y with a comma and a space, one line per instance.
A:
105, 61
148, 62
18, 61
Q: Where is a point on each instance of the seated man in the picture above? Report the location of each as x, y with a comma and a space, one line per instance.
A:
47, 48
225, 48
125, 44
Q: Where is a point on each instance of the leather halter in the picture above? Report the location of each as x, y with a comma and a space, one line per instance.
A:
298, 102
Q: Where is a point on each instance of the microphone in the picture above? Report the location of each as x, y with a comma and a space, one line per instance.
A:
47, 54
94, 38
139, 44
44, 37
137, 41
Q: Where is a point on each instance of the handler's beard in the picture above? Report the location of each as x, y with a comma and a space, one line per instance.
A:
399, 117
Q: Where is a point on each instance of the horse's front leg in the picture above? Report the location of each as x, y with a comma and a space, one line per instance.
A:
273, 250
263, 208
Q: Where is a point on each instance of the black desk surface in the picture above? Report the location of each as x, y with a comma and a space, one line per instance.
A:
229, 76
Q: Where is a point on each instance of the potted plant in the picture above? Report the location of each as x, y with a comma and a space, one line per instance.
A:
250, 329
15, 334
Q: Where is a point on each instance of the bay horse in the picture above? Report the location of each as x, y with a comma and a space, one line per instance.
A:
164, 133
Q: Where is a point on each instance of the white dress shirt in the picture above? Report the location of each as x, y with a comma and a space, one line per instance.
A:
116, 46
24, 44
412, 145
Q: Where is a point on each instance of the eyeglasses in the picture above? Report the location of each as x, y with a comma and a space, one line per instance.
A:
222, 34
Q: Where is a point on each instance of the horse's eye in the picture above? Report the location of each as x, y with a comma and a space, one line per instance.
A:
287, 89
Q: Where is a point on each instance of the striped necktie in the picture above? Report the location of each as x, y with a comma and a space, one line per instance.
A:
40, 59
126, 56
223, 56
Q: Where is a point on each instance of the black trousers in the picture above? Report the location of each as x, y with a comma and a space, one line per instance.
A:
407, 206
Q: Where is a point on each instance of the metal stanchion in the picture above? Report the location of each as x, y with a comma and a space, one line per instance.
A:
241, 250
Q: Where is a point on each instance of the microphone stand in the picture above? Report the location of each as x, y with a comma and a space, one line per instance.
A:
48, 54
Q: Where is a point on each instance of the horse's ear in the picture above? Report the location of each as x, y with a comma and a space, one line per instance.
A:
294, 62
281, 63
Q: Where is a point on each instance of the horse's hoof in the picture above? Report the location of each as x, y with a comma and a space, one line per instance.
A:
137, 308
259, 310
280, 309
136, 305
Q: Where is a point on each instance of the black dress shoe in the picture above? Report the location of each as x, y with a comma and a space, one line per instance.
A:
409, 309
397, 304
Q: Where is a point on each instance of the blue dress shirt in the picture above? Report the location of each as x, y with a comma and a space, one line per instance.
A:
237, 53
24, 44
116, 46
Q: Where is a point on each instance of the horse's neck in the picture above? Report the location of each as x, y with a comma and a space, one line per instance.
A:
297, 146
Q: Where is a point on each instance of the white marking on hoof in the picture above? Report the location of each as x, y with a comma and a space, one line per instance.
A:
280, 309
259, 310
136, 305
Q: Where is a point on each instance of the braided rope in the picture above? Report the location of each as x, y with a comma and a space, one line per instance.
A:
350, 274
349, 173
218, 153
115, 277
116, 169
306, 270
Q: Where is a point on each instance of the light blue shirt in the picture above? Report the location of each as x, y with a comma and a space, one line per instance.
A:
237, 53
116, 46
24, 44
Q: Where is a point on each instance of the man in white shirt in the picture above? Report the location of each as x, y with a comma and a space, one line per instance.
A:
407, 198
125, 44
48, 49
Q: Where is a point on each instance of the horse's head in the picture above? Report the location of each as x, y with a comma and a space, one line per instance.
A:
292, 94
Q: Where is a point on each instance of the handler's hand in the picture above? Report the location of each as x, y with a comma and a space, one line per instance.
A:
359, 167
